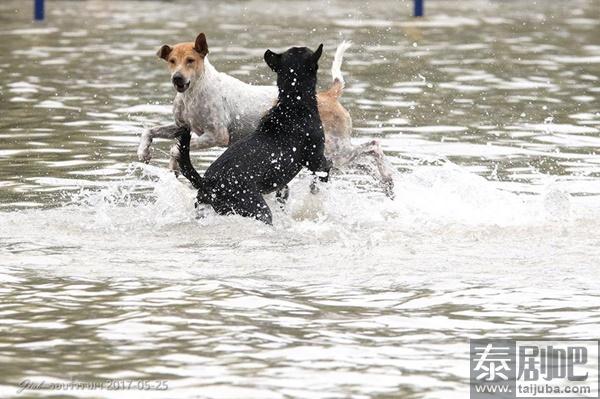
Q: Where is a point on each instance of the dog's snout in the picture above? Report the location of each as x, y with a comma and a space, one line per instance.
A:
178, 79
180, 83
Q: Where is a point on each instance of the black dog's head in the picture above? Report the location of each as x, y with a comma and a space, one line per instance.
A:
296, 69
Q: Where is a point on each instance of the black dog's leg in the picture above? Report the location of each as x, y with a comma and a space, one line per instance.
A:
282, 195
321, 167
185, 163
250, 204
254, 205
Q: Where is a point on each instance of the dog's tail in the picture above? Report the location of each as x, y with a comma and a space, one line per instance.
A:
336, 69
185, 163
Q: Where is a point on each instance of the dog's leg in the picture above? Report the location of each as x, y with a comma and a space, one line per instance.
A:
320, 166
373, 149
314, 188
249, 204
254, 205
208, 139
282, 195
165, 131
187, 169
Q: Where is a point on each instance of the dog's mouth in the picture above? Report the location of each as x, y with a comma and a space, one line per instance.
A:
181, 87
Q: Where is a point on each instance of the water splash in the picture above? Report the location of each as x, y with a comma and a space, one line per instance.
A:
149, 197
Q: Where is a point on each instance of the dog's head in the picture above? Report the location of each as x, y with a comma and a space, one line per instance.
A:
296, 68
186, 61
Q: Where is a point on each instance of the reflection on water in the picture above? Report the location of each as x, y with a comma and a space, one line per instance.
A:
254, 339
488, 110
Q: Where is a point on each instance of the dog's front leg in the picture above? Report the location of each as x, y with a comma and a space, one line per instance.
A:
170, 131
321, 168
208, 139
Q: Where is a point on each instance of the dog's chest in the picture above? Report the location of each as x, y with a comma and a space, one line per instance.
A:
197, 112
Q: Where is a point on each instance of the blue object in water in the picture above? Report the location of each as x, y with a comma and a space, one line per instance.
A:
38, 7
419, 8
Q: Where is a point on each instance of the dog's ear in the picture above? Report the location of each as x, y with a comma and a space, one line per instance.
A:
318, 53
200, 45
164, 52
273, 60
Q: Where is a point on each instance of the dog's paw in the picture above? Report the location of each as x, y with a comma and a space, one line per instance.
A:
174, 166
175, 157
144, 152
175, 152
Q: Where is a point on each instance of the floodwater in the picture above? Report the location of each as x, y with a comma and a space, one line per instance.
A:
488, 110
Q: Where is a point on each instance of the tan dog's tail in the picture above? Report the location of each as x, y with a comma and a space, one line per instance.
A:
336, 70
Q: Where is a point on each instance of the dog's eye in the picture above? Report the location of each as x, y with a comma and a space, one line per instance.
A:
172, 61
190, 60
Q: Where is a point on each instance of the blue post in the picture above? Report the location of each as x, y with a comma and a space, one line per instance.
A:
38, 10
419, 8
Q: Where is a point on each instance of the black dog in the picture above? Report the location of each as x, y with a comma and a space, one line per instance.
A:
288, 137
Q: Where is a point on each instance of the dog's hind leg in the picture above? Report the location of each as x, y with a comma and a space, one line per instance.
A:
253, 205
373, 149
245, 203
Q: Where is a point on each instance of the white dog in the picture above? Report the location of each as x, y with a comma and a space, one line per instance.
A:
220, 109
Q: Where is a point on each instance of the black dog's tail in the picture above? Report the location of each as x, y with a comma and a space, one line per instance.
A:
185, 163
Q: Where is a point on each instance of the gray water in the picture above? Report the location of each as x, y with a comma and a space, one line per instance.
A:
488, 110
